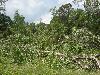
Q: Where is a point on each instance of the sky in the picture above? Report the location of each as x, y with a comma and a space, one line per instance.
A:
34, 10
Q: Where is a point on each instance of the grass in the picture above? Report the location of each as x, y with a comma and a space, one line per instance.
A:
38, 67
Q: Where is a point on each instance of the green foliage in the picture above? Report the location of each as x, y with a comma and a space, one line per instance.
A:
18, 19
5, 23
49, 48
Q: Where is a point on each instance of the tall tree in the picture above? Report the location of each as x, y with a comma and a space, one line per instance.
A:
5, 23
92, 8
19, 19
19, 22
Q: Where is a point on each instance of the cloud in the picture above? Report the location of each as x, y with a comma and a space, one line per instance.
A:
46, 18
33, 10
60, 2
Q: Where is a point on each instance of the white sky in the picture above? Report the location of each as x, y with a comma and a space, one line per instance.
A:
33, 10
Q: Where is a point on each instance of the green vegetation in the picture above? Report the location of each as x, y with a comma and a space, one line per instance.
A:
67, 46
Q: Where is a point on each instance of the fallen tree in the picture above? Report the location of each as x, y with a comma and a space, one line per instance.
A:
83, 61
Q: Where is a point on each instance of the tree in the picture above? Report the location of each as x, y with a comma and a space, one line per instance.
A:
19, 23
5, 23
19, 19
33, 26
61, 16
62, 13
92, 9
